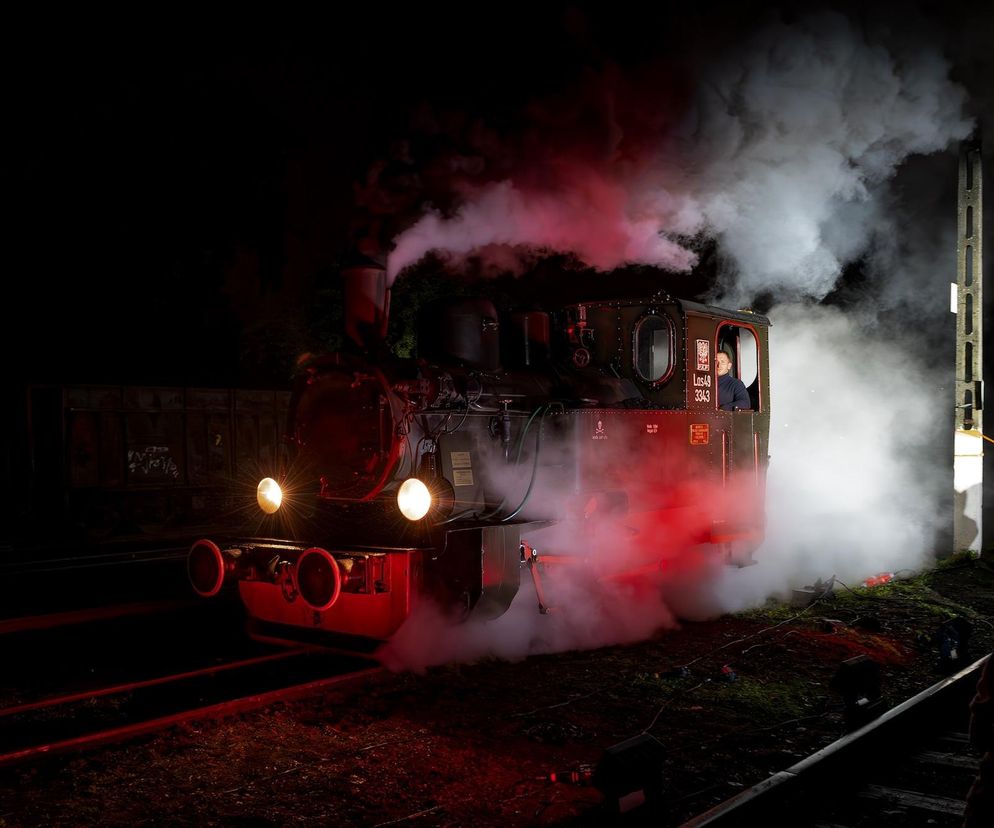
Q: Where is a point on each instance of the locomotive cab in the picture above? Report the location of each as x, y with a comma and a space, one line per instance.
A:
661, 343
688, 472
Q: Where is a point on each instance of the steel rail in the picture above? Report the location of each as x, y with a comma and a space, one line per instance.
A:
238, 705
42, 567
86, 695
45, 621
749, 806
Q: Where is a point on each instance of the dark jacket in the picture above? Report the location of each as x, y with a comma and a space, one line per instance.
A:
732, 393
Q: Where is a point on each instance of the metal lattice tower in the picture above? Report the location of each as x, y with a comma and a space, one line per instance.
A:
969, 441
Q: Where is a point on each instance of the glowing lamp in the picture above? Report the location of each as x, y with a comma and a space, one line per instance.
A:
269, 495
413, 499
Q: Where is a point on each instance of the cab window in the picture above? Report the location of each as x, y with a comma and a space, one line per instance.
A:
653, 348
740, 344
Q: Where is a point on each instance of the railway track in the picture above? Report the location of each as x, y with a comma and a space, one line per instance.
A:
73, 576
80, 720
89, 615
67, 582
78, 679
910, 767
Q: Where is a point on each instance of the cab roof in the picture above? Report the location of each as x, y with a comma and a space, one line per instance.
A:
742, 315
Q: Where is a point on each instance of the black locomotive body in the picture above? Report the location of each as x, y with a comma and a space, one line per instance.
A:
595, 427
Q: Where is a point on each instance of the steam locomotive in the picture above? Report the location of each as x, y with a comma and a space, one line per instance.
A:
591, 432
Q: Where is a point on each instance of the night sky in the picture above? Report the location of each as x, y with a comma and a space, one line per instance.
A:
179, 195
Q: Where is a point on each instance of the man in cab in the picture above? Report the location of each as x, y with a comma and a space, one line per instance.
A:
732, 393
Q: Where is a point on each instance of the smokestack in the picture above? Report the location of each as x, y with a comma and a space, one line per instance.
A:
367, 301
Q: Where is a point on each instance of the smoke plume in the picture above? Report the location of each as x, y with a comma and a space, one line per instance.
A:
591, 217
783, 156
790, 155
795, 141
846, 494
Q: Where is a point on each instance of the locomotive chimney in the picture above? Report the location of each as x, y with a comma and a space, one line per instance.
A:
367, 301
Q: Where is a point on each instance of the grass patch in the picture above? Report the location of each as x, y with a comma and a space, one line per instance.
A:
761, 699
917, 593
956, 560
776, 612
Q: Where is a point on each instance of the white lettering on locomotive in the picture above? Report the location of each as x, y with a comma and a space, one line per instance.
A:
703, 355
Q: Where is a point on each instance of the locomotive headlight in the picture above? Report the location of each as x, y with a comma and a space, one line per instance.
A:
269, 495
413, 499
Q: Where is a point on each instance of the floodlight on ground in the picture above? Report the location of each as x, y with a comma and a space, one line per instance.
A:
953, 641
630, 773
858, 682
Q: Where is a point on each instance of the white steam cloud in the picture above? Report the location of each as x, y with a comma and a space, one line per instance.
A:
585, 614
793, 140
789, 144
787, 158
845, 494
591, 217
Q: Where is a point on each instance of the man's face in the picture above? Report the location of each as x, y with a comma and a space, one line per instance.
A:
722, 363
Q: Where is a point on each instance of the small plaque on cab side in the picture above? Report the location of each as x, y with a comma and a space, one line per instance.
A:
700, 434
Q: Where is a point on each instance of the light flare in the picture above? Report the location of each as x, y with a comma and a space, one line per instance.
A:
413, 499
269, 495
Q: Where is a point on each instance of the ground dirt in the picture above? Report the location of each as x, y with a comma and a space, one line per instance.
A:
477, 744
